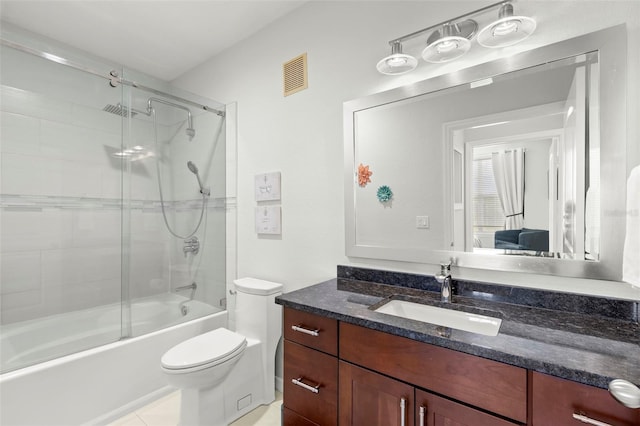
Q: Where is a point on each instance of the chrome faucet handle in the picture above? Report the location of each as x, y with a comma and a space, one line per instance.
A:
445, 268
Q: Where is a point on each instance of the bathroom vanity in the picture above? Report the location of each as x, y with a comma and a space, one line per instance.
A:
549, 364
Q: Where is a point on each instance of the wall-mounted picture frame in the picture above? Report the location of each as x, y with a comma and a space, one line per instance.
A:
267, 186
268, 220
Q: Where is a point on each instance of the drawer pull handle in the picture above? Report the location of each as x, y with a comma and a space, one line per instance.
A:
301, 329
299, 382
584, 419
422, 412
403, 409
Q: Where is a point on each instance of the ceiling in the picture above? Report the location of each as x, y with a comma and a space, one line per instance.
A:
161, 38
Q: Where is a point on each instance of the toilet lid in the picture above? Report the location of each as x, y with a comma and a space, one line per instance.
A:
213, 347
255, 286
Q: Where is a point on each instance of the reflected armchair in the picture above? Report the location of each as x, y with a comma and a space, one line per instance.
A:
522, 239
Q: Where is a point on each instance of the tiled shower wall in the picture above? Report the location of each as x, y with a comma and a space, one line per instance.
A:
61, 193
60, 206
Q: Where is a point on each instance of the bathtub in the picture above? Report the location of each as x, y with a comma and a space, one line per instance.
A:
98, 385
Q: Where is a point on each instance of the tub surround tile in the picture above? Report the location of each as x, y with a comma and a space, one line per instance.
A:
551, 333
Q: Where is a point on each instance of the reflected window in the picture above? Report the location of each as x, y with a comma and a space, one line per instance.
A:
488, 215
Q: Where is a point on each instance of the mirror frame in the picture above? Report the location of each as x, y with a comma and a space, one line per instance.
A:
611, 45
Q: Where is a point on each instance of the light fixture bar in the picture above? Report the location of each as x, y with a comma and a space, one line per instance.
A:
448, 21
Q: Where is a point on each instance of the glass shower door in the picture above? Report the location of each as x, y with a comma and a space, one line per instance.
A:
175, 191
61, 206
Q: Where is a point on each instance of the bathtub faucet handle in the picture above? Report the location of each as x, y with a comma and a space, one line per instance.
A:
191, 245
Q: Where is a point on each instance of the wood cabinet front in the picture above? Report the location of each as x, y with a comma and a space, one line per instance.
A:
311, 330
490, 385
291, 418
311, 383
368, 398
340, 373
432, 410
559, 402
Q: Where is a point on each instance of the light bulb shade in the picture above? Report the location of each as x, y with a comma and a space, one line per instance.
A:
507, 30
397, 62
446, 49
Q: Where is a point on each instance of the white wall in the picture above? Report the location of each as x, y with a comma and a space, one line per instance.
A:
301, 135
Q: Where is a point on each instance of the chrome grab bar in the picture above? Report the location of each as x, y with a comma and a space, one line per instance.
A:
299, 382
584, 419
301, 329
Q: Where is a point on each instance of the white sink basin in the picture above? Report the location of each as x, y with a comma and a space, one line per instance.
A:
460, 320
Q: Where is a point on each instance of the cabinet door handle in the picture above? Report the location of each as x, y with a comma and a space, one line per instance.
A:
584, 419
403, 409
421, 414
304, 330
311, 388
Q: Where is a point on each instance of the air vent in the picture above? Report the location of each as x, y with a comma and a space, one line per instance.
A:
295, 75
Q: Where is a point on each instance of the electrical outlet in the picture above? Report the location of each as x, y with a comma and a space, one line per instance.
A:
422, 222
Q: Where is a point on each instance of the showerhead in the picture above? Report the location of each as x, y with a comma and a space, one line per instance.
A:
191, 132
120, 110
194, 169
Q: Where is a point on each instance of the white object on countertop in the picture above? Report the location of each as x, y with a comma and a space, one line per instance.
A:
631, 254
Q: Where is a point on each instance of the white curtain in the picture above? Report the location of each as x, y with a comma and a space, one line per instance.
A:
508, 172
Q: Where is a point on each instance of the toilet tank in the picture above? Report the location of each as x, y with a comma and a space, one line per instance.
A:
258, 317
256, 313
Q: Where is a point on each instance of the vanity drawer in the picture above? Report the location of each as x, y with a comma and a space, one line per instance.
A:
554, 401
311, 330
490, 385
311, 383
291, 418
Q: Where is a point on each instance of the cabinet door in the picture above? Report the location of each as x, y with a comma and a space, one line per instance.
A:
368, 398
432, 410
559, 402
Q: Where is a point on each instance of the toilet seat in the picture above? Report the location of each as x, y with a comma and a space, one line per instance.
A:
204, 351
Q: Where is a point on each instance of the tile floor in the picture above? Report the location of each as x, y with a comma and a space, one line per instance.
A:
165, 412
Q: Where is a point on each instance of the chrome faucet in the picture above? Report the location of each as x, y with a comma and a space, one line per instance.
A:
191, 245
444, 278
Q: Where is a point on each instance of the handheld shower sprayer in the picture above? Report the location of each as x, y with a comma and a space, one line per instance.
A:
194, 169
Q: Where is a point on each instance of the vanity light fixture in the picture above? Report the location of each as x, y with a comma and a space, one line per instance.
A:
452, 43
507, 30
397, 62
452, 38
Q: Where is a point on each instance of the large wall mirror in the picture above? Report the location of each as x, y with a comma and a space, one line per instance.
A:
514, 165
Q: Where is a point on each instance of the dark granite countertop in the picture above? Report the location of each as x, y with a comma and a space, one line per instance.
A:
586, 348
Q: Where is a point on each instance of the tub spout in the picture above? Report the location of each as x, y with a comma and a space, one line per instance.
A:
184, 310
191, 286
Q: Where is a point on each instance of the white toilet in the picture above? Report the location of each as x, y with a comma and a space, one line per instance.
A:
224, 374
